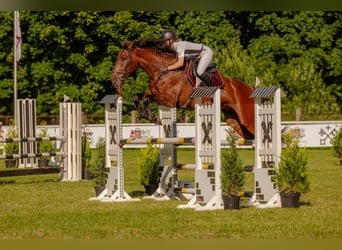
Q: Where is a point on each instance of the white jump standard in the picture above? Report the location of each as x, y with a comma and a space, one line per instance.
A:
26, 125
70, 138
114, 188
267, 146
70, 120
208, 193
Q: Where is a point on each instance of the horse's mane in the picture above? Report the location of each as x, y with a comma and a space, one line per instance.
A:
157, 44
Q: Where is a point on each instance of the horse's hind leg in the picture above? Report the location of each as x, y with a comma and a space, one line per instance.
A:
241, 130
233, 121
235, 125
142, 102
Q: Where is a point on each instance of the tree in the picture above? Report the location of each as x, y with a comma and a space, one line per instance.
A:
295, 48
73, 53
305, 89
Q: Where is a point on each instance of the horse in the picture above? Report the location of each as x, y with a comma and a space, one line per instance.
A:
173, 88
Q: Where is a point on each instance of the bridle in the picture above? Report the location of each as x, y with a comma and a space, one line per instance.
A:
122, 75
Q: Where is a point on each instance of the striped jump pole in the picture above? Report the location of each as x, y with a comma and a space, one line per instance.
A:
172, 140
175, 140
194, 166
32, 139
31, 155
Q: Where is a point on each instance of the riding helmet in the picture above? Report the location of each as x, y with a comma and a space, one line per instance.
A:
168, 35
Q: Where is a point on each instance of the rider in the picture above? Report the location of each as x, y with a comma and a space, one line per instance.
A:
187, 50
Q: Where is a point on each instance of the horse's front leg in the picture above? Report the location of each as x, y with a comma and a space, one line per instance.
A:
142, 101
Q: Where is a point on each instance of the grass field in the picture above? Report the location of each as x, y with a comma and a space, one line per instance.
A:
41, 207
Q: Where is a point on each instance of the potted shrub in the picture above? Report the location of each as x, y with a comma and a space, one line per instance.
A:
232, 173
11, 148
86, 157
44, 147
336, 142
98, 166
291, 175
148, 164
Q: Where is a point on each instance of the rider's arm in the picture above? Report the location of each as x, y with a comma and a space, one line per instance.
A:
178, 64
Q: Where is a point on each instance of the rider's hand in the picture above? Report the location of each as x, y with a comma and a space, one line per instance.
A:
163, 70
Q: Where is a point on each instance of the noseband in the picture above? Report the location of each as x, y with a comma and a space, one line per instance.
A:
122, 75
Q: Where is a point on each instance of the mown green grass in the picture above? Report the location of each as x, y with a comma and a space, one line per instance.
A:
41, 207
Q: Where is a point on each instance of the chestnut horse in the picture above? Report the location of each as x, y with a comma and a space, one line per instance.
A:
172, 89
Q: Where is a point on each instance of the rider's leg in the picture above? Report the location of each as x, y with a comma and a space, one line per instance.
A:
206, 56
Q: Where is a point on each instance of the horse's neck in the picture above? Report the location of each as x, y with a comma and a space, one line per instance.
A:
151, 62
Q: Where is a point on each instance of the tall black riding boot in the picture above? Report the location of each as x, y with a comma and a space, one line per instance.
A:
206, 78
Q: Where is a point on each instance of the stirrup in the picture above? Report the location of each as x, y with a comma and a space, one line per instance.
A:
206, 79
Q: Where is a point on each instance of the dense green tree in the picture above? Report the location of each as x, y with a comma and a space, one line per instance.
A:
73, 53
6, 61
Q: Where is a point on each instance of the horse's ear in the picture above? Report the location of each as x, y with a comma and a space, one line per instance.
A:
127, 44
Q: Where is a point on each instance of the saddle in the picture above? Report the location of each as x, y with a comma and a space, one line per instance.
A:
211, 73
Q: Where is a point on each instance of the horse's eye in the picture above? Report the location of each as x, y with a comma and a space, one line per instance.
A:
123, 57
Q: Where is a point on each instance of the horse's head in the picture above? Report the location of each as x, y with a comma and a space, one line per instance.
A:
148, 53
124, 65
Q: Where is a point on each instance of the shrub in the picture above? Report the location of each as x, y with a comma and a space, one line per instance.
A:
98, 163
86, 153
12, 147
336, 142
232, 171
148, 165
292, 173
